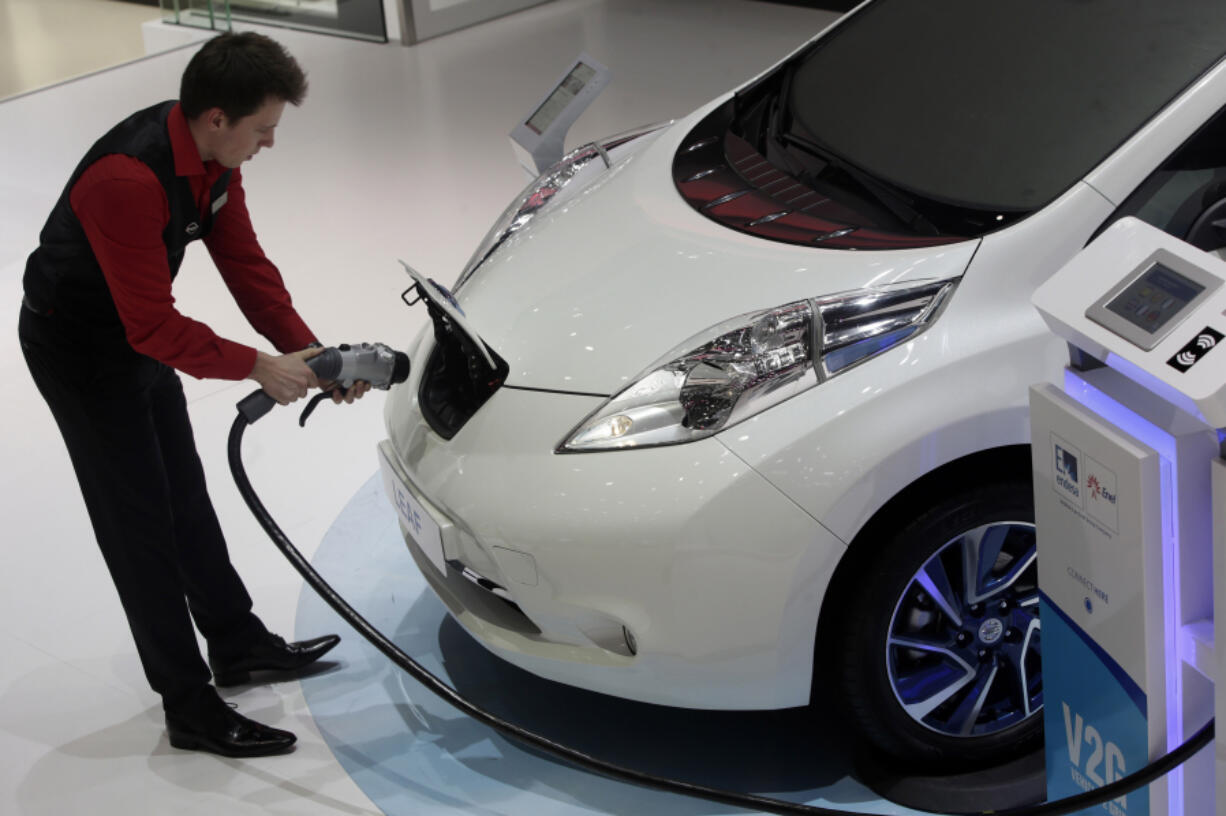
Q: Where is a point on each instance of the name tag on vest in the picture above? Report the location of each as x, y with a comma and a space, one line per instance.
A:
220, 200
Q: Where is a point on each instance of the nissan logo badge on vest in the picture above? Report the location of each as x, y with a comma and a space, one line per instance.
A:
193, 228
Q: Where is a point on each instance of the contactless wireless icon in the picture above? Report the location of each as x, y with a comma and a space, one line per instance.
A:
1204, 342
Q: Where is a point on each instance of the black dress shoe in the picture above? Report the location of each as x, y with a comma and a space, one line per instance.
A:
227, 733
271, 653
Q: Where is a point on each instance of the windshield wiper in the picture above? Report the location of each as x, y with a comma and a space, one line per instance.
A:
775, 128
884, 194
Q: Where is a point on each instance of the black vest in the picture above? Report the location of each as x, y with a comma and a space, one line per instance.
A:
63, 277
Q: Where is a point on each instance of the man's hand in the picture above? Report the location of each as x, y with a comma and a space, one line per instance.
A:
286, 377
355, 391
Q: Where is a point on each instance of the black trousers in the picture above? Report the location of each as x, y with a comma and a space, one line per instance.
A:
124, 419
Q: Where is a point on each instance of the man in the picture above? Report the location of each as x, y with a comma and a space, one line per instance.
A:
102, 337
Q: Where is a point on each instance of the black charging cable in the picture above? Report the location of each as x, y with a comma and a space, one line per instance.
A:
1120, 787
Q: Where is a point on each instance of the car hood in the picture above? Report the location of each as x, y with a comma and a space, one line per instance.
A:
591, 293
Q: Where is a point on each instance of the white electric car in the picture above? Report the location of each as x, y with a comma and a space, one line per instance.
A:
747, 405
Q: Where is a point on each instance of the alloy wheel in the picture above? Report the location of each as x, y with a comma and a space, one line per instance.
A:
963, 651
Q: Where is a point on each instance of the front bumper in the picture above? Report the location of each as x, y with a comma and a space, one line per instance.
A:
551, 559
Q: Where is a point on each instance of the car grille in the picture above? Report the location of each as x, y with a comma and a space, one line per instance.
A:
480, 580
464, 590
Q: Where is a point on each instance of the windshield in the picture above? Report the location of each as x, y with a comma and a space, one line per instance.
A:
996, 106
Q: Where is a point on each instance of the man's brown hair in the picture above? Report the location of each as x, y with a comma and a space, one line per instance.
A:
238, 73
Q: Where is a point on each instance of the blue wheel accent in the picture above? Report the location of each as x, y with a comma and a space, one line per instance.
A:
963, 652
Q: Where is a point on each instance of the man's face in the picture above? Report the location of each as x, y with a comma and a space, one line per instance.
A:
237, 140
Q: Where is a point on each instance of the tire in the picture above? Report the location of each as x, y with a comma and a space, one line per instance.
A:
939, 671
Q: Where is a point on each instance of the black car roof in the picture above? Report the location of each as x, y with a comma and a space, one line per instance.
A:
1002, 104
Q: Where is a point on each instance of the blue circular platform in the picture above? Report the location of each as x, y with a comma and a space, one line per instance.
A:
411, 753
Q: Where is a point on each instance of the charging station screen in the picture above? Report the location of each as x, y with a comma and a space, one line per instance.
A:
557, 101
1154, 298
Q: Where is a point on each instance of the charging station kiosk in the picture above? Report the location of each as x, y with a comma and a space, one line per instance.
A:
1127, 470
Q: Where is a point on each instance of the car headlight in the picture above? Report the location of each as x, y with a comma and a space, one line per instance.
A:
745, 365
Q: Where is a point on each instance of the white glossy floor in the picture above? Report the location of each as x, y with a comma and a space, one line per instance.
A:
396, 153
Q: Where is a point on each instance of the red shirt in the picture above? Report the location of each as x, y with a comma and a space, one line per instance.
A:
123, 208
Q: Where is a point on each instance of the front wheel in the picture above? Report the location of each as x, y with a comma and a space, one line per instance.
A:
939, 659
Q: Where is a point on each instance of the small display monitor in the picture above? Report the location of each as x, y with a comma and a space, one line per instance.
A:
1149, 302
1156, 296
538, 139
562, 96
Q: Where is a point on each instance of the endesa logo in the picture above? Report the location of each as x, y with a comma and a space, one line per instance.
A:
1067, 468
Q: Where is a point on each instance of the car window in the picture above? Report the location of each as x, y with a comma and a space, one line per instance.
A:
1186, 195
998, 106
